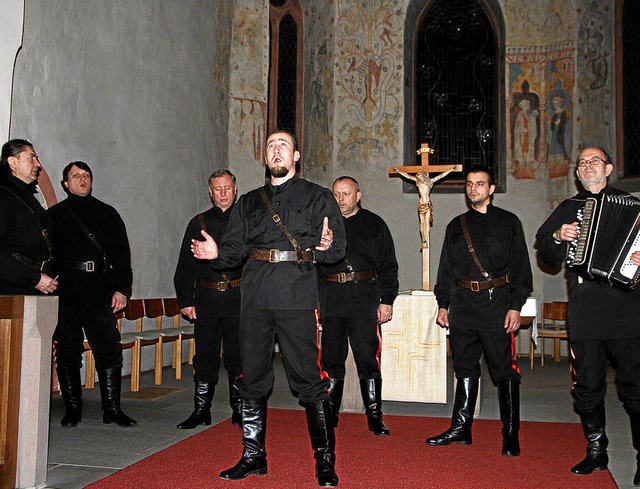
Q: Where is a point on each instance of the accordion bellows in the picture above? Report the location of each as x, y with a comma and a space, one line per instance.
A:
608, 233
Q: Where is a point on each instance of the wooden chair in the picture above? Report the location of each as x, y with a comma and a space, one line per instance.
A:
172, 310
154, 309
134, 311
553, 326
127, 340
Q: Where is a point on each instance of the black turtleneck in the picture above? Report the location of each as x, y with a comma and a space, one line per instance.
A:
71, 244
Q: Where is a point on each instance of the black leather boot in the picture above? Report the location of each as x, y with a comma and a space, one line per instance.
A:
635, 437
336, 387
202, 406
254, 427
235, 401
71, 390
371, 390
593, 424
110, 380
323, 441
464, 405
509, 399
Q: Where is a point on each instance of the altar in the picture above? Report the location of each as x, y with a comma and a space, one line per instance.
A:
414, 351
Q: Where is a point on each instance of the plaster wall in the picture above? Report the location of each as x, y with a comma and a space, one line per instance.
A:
132, 88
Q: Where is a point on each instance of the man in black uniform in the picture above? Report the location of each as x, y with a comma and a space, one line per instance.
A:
602, 319
211, 298
480, 294
92, 257
25, 251
356, 297
279, 297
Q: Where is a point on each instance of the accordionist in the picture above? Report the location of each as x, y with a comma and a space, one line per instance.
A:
603, 319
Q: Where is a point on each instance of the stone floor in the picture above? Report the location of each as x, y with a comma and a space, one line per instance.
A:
94, 450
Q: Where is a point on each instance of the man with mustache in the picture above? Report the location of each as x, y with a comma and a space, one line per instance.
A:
279, 297
602, 319
25, 250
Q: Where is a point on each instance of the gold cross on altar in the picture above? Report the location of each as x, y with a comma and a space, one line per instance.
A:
419, 174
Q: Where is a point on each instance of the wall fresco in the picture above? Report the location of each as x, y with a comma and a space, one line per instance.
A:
540, 86
369, 74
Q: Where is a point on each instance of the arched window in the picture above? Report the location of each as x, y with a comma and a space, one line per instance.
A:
286, 63
458, 85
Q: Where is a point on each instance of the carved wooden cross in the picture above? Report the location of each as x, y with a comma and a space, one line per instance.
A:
420, 175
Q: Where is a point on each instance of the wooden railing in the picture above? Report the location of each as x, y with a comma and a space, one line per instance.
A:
11, 319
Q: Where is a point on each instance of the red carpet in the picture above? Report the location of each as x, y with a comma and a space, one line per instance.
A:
401, 460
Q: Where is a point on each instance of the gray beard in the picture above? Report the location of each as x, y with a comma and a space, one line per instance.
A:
591, 183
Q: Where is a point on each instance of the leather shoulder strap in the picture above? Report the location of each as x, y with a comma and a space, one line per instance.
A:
203, 225
467, 238
277, 220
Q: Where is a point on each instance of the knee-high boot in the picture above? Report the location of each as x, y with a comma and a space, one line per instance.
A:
593, 424
509, 399
635, 437
71, 390
110, 380
202, 406
254, 427
319, 417
336, 388
464, 405
235, 401
371, 390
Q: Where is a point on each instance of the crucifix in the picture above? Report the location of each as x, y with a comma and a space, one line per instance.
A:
419, 174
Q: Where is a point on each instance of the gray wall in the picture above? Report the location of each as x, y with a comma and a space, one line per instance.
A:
127, 86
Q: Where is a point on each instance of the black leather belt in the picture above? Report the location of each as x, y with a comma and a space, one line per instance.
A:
275, 256
219, 286
83, 266
36, 265
344, 277
477, 286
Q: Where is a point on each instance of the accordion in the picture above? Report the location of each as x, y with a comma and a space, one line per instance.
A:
608, 233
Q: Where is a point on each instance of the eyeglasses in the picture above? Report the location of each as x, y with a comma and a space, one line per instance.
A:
593, 161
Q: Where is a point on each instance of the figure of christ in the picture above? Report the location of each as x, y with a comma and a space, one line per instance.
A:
425, 210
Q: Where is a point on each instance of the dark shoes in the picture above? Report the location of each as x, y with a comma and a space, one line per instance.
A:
464, 405
319, 421
246, 466
593, 426
254, 427
110, 380
71, 390
371, 390
509, 400
202, 406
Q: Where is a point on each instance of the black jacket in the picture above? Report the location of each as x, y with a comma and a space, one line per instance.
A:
498, 239
71, 244
596, 309
23, 223
369, 248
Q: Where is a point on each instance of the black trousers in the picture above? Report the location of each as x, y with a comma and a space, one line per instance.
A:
366, 343
211, 334
590, 372
499, 353
99, 325
297, 333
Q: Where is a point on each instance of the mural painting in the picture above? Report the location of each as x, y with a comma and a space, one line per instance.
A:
369, 64
541, 81
595, 83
